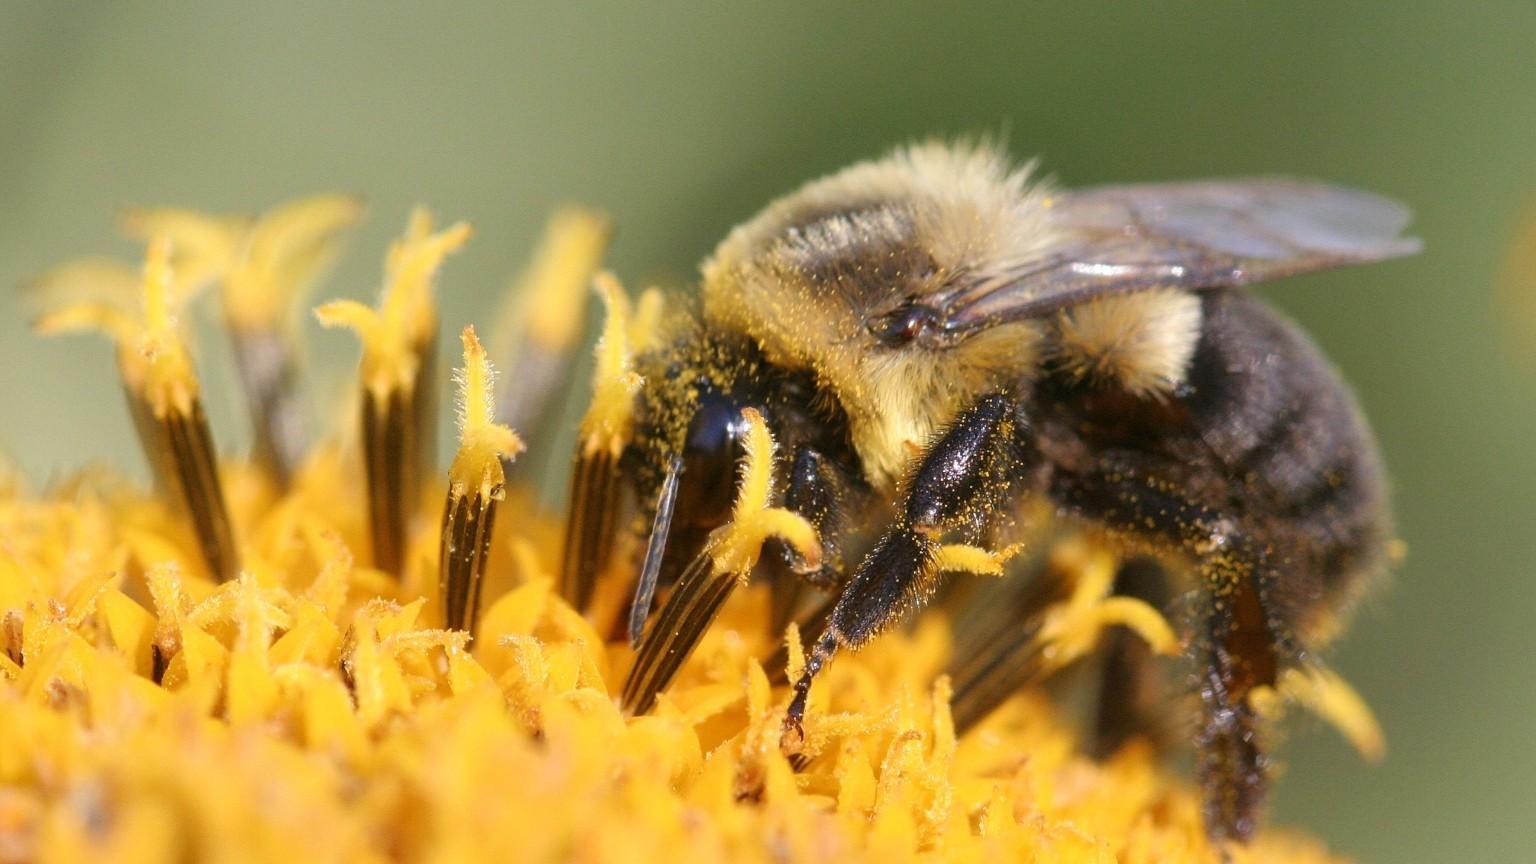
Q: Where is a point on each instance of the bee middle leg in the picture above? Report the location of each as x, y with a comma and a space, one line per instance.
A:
959, 475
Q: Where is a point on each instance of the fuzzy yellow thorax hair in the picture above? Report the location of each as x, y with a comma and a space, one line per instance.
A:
810, 276
1142, 342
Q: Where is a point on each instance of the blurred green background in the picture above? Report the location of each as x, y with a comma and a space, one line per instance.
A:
682, 120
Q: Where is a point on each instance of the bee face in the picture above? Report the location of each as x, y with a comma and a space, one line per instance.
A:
937, 339
691, 410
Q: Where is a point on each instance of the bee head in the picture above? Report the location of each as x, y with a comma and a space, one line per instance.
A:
684, 459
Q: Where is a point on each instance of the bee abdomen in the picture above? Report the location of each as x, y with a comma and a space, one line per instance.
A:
1298, 454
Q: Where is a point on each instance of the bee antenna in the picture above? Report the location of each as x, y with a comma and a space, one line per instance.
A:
656, 547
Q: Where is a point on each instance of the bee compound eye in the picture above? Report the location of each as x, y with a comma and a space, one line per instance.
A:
710, 452
716, 424
906, 324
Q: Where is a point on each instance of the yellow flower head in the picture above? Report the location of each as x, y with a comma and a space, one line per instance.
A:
312, 707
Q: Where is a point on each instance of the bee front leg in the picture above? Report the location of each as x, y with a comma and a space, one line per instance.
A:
960, 476
815, 491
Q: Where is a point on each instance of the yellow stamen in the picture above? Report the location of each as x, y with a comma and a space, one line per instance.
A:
169, 383
1072, 628
406, 318
399, 343
264, 265
263, 262
282, 255
645, 324
475, 485
483, 443
592, 517
206, 245
541, 319
735, 546
163, 399
547, 302
608, 422
1326, 694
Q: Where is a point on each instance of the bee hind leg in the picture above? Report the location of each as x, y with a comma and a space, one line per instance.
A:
1237, 637
1240, 654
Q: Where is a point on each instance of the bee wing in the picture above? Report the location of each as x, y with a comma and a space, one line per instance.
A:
1202, 234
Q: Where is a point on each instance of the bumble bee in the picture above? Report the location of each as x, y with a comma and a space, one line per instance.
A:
938, 339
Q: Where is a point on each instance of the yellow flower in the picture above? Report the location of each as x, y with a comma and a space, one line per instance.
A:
310, 705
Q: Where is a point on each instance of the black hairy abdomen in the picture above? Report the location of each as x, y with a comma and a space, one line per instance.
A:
1264, 433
